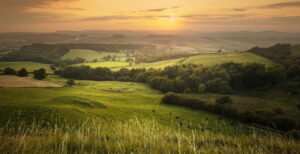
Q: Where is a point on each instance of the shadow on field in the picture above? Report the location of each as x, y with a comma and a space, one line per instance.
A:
77, 101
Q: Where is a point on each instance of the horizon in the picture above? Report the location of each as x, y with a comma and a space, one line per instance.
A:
175, 15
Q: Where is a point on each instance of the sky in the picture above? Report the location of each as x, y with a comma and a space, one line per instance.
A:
155, 15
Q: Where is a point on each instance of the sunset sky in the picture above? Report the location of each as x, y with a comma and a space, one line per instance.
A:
200, 15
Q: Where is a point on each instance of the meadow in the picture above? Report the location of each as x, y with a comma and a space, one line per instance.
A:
90, 55
109, 64
120, 117
220, 58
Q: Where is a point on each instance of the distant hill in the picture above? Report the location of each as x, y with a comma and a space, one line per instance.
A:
285, 54
50, 53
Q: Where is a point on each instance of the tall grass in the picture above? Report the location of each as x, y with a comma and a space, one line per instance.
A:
134, 136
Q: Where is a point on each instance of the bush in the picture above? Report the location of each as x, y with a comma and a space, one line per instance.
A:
298, 106
201, 88
22, 72
39, 74
9, 71
293, 134
171, 98
283, 123
277, 110
71, 82
224, 100
187, 91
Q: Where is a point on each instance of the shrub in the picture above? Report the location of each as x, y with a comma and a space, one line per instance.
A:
224, 100
9, 71
171, 98
293, 134
201, 88
22, 72
187, 91
39, 74
277, 110
298, 106
283, 123
71, 82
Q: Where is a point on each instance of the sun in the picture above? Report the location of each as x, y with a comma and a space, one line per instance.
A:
172, 19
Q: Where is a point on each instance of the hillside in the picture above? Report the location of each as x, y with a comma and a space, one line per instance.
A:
51, 53
119, 117
220, 58
285, 54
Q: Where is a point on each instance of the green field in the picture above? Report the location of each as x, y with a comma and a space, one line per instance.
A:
219, 58
90, 55
30, 66
155, 65
119, 117
108, 64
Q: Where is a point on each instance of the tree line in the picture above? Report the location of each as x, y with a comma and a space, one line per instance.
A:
224, 78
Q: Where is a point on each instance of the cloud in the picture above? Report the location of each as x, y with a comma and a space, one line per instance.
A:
239, 9
157, 9
17, 11
117, 17
281, 5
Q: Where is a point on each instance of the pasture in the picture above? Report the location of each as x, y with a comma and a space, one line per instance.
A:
109, 64
220, 58
15, 81
119, 117
90, 55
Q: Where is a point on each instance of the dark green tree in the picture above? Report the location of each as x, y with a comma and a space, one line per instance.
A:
39, 74
22, 72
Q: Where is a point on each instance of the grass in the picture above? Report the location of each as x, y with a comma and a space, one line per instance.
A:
155, 65
108, 64
30, 66
119, 117
90, 55
135, 135
220, 58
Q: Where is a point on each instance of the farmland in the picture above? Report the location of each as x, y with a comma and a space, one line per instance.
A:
219, 58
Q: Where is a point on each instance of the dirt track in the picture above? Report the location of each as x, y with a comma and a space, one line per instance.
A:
15, 81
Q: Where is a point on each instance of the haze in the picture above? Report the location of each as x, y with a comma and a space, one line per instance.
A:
200, 15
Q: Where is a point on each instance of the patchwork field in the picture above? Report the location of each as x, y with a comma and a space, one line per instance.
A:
219, 58
109, 64
15, 81
30, 66
91, 55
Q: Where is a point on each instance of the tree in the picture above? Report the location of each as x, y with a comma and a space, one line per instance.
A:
39, 74
9, 71
201, 88
71, 82
293, 71
22, 72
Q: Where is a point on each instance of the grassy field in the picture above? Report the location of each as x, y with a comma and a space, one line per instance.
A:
15, 81
119, 117
90, 55
219, 58
155, 65
30, 66
108, 64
